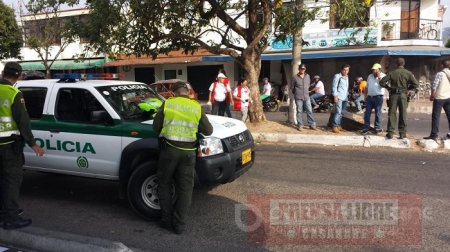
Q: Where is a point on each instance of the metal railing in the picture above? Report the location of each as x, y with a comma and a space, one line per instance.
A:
404, 29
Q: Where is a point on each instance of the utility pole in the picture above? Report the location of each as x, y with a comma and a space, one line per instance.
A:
296, 60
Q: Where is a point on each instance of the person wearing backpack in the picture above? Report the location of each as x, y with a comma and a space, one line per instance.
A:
241, 95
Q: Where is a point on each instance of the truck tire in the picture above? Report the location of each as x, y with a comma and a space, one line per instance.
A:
143, 190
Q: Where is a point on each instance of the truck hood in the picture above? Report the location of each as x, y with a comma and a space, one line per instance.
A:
223, 127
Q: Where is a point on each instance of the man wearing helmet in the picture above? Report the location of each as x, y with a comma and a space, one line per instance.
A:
318, 90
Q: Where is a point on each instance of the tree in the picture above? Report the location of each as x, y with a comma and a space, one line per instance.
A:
45, 31
10, 33
240, 29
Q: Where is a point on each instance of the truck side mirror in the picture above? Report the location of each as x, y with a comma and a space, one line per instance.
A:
100, 116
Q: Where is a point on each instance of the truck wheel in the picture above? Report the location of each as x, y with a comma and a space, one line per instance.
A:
143, 190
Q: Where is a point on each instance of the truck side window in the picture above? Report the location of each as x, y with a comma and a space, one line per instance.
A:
34, 101
77, 105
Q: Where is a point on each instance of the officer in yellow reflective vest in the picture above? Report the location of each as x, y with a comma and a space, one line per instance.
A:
14, 128
177, 122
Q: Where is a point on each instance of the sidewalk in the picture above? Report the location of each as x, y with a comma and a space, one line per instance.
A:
351, 123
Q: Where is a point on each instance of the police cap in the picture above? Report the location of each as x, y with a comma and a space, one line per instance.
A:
12, 68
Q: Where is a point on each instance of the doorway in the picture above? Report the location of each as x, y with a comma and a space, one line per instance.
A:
144, 74
201, 77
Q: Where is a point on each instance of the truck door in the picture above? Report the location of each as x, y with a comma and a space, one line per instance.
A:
82, 138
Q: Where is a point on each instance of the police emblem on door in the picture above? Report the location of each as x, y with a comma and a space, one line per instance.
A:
82, 162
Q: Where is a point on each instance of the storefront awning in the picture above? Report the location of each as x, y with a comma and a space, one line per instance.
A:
63, 65
347, 53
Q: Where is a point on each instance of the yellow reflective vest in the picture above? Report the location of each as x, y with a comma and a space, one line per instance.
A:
8, 126
181, 118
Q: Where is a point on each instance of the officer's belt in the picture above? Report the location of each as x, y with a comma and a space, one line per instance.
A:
180, 148
8, 140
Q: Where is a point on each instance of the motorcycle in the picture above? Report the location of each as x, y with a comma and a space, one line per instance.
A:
324, 104
270, 103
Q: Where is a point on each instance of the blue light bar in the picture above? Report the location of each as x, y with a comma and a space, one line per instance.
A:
89, 76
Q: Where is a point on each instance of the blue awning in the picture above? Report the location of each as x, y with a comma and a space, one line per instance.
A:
347, 53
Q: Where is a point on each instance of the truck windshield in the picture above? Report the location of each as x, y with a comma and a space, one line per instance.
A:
133, 102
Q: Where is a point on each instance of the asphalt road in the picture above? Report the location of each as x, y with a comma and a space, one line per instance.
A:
92, 207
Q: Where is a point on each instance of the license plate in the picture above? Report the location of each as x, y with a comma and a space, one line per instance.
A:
246, 156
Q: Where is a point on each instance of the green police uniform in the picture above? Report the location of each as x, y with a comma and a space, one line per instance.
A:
14, 126
177, 122
401, 80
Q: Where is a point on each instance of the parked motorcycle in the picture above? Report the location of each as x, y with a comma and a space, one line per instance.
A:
270, 103
324, 104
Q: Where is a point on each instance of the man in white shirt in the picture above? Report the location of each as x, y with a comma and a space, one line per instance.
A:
241, 95
374, 99
217, 95
440, 96
319, 90
267, 89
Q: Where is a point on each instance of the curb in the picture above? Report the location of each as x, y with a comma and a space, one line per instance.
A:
38, 239
365, 141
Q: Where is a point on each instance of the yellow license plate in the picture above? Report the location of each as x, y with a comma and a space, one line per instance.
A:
246, 156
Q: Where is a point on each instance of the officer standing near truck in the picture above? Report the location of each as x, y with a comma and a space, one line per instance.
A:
401, 81
14, 128
177, 122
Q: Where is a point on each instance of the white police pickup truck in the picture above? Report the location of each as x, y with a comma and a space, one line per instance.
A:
97, 129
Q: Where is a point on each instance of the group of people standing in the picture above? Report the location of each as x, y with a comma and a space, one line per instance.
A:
398, 82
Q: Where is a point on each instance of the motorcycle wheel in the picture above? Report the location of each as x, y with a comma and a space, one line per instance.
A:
272, 106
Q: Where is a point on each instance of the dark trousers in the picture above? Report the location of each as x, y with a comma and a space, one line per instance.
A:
175, 167
397, 101
438, 104
218, 108
227, 110
373, 102
11, 161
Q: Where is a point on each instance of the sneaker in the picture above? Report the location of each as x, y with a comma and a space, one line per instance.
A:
339, 128
389, 136
430, 138
336, 130
378, 131
364, 131
402, 136
312, 127
360, 112
300, 128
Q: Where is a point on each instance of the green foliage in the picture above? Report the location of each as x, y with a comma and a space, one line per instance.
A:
10, 34
150, 27
448, 43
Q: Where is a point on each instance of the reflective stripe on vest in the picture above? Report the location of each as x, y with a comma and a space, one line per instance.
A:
181, 119
8, 126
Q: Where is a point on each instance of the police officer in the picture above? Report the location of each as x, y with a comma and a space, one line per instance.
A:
398, 82
177, 122
14, 127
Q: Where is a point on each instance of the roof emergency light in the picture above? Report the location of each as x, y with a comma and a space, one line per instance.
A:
90, 76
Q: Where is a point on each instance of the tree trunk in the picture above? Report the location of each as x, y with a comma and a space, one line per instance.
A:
250, 61
296, 60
